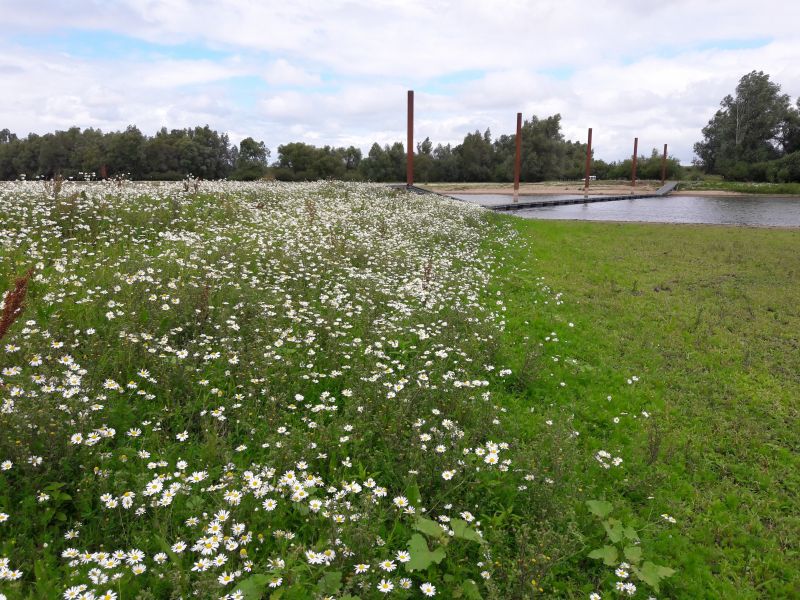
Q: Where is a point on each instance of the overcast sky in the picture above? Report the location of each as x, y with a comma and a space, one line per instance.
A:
336, 72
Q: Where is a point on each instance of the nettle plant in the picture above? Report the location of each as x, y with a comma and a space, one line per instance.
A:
624, 552
432, 548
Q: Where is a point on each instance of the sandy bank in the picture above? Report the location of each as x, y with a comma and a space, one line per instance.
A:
617, 188
540, 189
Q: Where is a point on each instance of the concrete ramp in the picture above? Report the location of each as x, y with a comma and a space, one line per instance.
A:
414, 189
667, 188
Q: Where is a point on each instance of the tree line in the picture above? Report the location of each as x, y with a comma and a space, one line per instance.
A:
755, 134
203, 152
168, 155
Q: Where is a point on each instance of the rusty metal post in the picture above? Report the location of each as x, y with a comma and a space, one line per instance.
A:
518, 157
410, 159
664, 166
635, 158
588, 163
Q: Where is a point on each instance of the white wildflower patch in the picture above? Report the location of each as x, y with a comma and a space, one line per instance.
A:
251, 384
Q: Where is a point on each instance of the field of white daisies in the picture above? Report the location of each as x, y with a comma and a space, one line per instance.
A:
228, 390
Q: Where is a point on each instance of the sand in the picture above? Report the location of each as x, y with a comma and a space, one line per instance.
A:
596, 188
541, 189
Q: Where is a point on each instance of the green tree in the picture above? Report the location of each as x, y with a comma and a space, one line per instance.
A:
756, 124
298, 161
385, 164
423, 161
125, 153
25, 159
446, 167
251, 160
544, 151
376, 166
9, 145
476, 156
6, 136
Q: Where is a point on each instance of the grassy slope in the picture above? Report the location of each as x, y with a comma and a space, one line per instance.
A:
709, 319
742, 187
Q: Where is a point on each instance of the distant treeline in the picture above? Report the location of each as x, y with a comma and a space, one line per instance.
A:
168, 155
203, 152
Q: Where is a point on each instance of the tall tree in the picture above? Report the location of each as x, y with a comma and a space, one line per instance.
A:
377, 166
752, 126
251, 161
476, 156
423, 160
6, 136
125, 153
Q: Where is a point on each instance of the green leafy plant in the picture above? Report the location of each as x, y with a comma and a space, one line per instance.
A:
624, 547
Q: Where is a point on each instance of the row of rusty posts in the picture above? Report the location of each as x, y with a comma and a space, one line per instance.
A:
518, 154
633, 165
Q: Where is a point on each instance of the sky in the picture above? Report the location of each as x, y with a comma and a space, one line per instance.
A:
337, 72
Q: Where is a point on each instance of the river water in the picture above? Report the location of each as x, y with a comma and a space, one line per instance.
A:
722, 210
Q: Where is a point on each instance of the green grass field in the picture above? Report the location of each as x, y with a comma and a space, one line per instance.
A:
708, 318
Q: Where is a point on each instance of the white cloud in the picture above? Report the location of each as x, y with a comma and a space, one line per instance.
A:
282, 73
336, 72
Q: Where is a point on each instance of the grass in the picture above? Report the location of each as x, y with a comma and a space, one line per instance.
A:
742, 187
708, 318
254, 390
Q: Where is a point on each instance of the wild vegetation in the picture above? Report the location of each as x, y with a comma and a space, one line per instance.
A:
335, 390
231, 390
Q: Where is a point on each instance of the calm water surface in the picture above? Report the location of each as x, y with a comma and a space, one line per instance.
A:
722, 210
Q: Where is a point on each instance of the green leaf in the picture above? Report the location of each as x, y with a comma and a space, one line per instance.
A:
421, 556
45, 581
413, 494
164, 545
330, 583
253, 586
614, 530
194, 503
631, 534
428, 527
633, 553
608, 554
462, 530
470, 590
652, 574
47, 515
665, 571
600, 508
